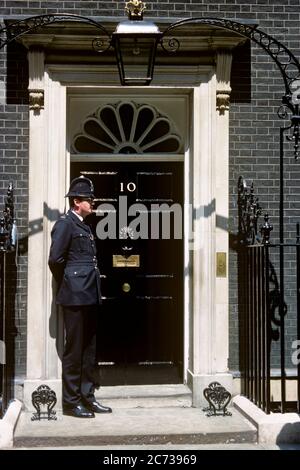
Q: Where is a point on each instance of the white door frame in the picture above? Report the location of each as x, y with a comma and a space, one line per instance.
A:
206, 192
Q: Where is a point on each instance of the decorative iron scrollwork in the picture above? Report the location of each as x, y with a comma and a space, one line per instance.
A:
286, 111
43, 396
295, 137
8, 228
285, 60
100, 44
27, 25
249, 212
218, 398
266, 230
170, 45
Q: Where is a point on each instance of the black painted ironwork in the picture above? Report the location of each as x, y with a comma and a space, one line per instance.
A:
266, 230
3, 369
17, 29
298, 310
263, 312
8, 223
285, 60
249, 212
43, 397
218, 398
7, 244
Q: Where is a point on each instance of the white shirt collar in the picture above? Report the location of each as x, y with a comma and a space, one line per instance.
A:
79, 216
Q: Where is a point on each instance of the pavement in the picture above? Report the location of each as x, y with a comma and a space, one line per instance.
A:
170, 447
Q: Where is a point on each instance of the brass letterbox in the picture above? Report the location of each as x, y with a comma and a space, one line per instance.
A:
120, 261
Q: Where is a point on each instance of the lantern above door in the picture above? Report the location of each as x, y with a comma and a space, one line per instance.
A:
135, 42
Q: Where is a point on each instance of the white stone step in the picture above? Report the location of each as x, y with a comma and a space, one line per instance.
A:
145, 396
135, 426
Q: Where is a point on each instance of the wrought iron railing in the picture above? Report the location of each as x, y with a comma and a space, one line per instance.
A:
269, 311
8, 240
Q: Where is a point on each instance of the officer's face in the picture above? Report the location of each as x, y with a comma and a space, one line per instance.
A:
84, 206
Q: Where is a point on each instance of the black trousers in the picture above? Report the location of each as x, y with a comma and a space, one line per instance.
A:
79, 358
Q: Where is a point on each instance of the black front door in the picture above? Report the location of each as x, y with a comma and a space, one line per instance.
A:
138, 225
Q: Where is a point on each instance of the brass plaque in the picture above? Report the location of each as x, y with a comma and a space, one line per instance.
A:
221, 264
120, 261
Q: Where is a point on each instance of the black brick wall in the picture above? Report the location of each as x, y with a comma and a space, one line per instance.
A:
254, 125
14, 167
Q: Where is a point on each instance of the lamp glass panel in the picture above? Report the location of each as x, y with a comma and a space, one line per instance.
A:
136, 54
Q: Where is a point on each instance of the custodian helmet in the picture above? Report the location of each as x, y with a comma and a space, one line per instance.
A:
81, 187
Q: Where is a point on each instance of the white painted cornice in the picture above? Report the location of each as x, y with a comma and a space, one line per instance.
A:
99, 75
59, 42
79, 36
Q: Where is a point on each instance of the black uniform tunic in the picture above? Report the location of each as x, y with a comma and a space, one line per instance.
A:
73, 263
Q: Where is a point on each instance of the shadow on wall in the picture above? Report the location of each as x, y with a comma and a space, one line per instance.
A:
55, 319
241, 74
36, 226
17, 75
289, 434
56, 323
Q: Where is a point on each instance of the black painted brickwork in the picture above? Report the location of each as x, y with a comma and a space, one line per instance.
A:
14, 167
253, 122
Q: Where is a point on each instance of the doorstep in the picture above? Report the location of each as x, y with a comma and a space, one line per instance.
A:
145, 396
135, 425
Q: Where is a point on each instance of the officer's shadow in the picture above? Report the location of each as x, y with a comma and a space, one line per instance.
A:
56, 325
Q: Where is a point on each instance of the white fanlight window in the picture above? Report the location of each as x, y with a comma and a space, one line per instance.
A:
127, 128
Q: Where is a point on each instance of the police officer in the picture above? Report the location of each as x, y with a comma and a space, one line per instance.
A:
73, 263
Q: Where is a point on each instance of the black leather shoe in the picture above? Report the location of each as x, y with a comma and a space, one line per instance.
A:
78, 411
97, 408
